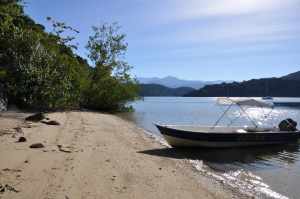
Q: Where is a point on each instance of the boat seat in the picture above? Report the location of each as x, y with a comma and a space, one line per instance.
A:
241, 131
258, 129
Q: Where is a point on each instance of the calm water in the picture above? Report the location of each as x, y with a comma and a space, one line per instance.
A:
262, 171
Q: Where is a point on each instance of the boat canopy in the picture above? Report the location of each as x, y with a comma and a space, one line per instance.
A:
245, 102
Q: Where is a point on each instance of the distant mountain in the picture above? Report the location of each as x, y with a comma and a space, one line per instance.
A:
159, 90
286, 86
292, 76
174, 82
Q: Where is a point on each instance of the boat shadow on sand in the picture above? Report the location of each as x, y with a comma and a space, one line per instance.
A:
218, 158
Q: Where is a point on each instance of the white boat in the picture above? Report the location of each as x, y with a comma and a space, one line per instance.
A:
227, 136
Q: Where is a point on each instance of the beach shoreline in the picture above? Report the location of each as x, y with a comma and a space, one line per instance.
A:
94, 155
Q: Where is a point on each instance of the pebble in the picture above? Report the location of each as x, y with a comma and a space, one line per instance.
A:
7, 187
51, 122
37, 145
63, 149
22, 139
2, 188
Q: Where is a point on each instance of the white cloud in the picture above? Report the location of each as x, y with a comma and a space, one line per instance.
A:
234, 32
228, 21
194, 9
242, 32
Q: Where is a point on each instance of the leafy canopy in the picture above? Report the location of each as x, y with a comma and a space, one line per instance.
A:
112, 85
40, 69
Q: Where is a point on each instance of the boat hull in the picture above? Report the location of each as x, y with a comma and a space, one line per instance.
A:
287, 104
182, 138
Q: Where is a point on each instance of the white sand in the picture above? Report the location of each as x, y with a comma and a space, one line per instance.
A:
101, 157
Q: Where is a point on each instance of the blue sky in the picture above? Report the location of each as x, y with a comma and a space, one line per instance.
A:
191, 39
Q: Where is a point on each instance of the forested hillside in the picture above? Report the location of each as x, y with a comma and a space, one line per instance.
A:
41, 70
287, 86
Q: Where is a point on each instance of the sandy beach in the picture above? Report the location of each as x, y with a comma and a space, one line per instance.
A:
92, 155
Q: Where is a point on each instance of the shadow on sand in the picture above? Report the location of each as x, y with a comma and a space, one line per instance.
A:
285, 153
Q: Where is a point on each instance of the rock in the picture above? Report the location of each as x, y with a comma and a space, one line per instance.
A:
35, 117
63, 149
10, 188
22, 139
37, 145
51, 122
2, 188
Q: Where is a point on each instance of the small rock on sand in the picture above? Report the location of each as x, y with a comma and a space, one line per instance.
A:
37, 145
7, 187
51, 122
22, 139
35, 117
2, 188
63, 149
10, 188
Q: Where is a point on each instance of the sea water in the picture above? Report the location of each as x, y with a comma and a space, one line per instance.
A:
271, 172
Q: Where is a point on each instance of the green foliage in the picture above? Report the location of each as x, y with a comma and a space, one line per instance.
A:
2, 74
111, 86
41, 73
40, 69
58, 28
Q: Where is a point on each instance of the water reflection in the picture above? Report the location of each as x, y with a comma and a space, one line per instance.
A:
286, 154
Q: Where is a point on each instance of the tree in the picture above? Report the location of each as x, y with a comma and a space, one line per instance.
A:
38, 69
41, 70
111, 84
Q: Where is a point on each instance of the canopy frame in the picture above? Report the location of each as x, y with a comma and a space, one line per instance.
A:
243, 111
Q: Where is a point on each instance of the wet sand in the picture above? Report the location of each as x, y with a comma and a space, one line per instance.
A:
93, 155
